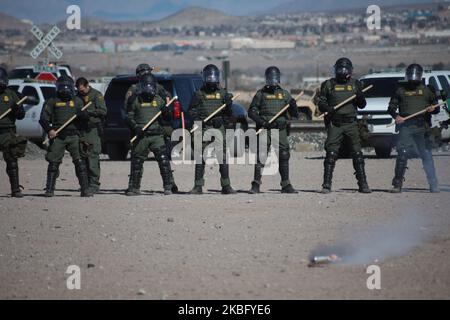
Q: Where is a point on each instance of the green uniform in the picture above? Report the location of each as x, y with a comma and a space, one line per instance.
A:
265, 105
342, 123
166, 123
203, 104
8, 138
54, 114
12, 146
407, 100
90, 134
139, 113
57, 112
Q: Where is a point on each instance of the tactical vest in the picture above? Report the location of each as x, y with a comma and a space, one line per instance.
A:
63, 111
272, 103
6, 102
210, 102
340, 92
412, 101
145, 111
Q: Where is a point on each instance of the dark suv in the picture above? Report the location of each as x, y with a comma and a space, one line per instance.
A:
116, 133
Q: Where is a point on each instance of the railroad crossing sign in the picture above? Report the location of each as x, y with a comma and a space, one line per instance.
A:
45, 42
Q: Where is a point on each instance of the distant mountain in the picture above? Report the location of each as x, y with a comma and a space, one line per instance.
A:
332, 5
8, 22
197, 16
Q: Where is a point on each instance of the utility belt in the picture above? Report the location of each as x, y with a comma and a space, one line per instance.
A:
338, 120
153, 132
7, 130
416, 121
68, 132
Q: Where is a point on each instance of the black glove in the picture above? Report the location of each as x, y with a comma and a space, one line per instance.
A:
138, 131
267, 125
217, 122
83, 115
293, 109
360, 100
229, 103
229, 99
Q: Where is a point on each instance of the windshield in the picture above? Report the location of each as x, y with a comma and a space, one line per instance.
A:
382, 87
22, 74
48, 92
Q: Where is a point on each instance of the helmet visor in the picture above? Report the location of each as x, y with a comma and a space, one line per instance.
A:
343, 71
414, 75
211, 76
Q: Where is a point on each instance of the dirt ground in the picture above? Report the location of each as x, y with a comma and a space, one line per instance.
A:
223, 247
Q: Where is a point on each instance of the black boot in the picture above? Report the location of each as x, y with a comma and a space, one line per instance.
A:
83, 179
12, 169
166, 173
134, 184
52, 175
225, 179
199, 173
328, 166
256, 179
358, 165
400, 169
283, 168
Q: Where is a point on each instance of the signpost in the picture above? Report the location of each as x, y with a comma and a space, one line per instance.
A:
45, 42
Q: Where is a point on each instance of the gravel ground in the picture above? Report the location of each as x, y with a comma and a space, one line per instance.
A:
226, 247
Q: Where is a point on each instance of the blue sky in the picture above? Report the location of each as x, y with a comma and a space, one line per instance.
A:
55, 10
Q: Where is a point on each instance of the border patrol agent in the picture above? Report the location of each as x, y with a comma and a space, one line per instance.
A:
142, 70
266, 103
12, 146
55, 113
409, 99
92, 131
342, 122
205, 101
141, 108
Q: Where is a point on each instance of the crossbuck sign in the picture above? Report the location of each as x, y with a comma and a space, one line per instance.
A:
45, 41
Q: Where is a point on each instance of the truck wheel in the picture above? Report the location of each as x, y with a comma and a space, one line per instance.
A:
117, 151
383, 152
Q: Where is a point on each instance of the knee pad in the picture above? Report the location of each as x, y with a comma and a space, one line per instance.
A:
53, 166
402, 155
136, 163
331, 157
284, 155
161, 157
11, 165
358, 157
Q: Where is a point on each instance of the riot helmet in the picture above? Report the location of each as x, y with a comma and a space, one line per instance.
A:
65, 88
147, 87
414, 73
343, 69
273, 76
211, 76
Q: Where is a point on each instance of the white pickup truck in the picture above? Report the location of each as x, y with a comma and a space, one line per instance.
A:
381, 137
40, 91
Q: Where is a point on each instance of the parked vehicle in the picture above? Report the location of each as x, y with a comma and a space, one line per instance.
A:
116, 133
381, 137
38, 92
